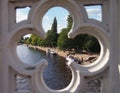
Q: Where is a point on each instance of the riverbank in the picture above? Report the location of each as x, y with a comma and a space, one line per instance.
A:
85, 58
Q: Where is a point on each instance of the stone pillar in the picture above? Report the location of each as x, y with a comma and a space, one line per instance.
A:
114, 39
119, 42
0, 53
4, 35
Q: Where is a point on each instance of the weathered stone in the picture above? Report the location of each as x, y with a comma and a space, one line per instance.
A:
107, 32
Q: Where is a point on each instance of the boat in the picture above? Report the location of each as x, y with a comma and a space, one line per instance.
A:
48, 51
73, 59
53, 53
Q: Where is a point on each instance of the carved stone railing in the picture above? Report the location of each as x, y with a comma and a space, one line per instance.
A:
12, 31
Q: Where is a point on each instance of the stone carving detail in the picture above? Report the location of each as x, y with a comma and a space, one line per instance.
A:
23, 84
82, 25
94, 84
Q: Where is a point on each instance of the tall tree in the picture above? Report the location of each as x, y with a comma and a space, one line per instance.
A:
52, 34
54, 25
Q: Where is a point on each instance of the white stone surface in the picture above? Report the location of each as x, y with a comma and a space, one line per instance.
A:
107, 33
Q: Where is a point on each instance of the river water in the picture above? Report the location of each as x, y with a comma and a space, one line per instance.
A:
57, 74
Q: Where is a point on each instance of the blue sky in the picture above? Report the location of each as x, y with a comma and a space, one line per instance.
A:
60, 13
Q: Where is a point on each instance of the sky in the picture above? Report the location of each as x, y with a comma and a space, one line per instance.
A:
94, 12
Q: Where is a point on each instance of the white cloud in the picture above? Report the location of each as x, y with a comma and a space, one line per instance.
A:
60, 27
64, 18
93, 11
46, 26
47, 23
46, 18
20, 16
28, 35
100, 14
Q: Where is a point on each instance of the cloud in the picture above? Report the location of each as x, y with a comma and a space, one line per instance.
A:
46, 18
100, 14
60, 27
46, 26
20, 16
94, 13
28, 35
64, 18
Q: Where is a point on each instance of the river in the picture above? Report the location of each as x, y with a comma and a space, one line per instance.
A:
57, 74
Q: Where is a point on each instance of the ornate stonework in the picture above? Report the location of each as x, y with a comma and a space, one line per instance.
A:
106, 32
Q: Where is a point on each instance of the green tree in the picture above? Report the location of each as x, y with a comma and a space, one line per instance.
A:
54, 26
27, 40
91, 44
21, 40
34, 39
70, 22
52, 35
79, 43
63, 41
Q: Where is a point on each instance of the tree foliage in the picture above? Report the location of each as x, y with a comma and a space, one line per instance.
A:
52, 35
61, 40
79, 43
64, 42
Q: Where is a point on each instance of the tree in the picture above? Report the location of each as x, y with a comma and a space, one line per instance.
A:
34, 39
52, 35
27, 40
79, 43
21, 40
63, 41
91, 44
54, 26
70, 22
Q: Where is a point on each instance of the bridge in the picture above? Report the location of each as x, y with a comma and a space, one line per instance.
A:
106, 69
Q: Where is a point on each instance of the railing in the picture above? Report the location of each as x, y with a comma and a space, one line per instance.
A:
85, 79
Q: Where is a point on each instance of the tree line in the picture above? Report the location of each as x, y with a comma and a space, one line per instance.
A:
61, 40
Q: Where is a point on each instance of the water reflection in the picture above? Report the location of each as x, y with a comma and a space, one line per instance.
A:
56, 75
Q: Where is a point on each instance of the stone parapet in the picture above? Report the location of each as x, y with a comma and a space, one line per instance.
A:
106, 32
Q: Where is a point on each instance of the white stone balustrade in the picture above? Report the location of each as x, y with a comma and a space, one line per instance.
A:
106, 32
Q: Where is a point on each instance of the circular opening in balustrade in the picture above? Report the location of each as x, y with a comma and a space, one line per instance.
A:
56, 23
